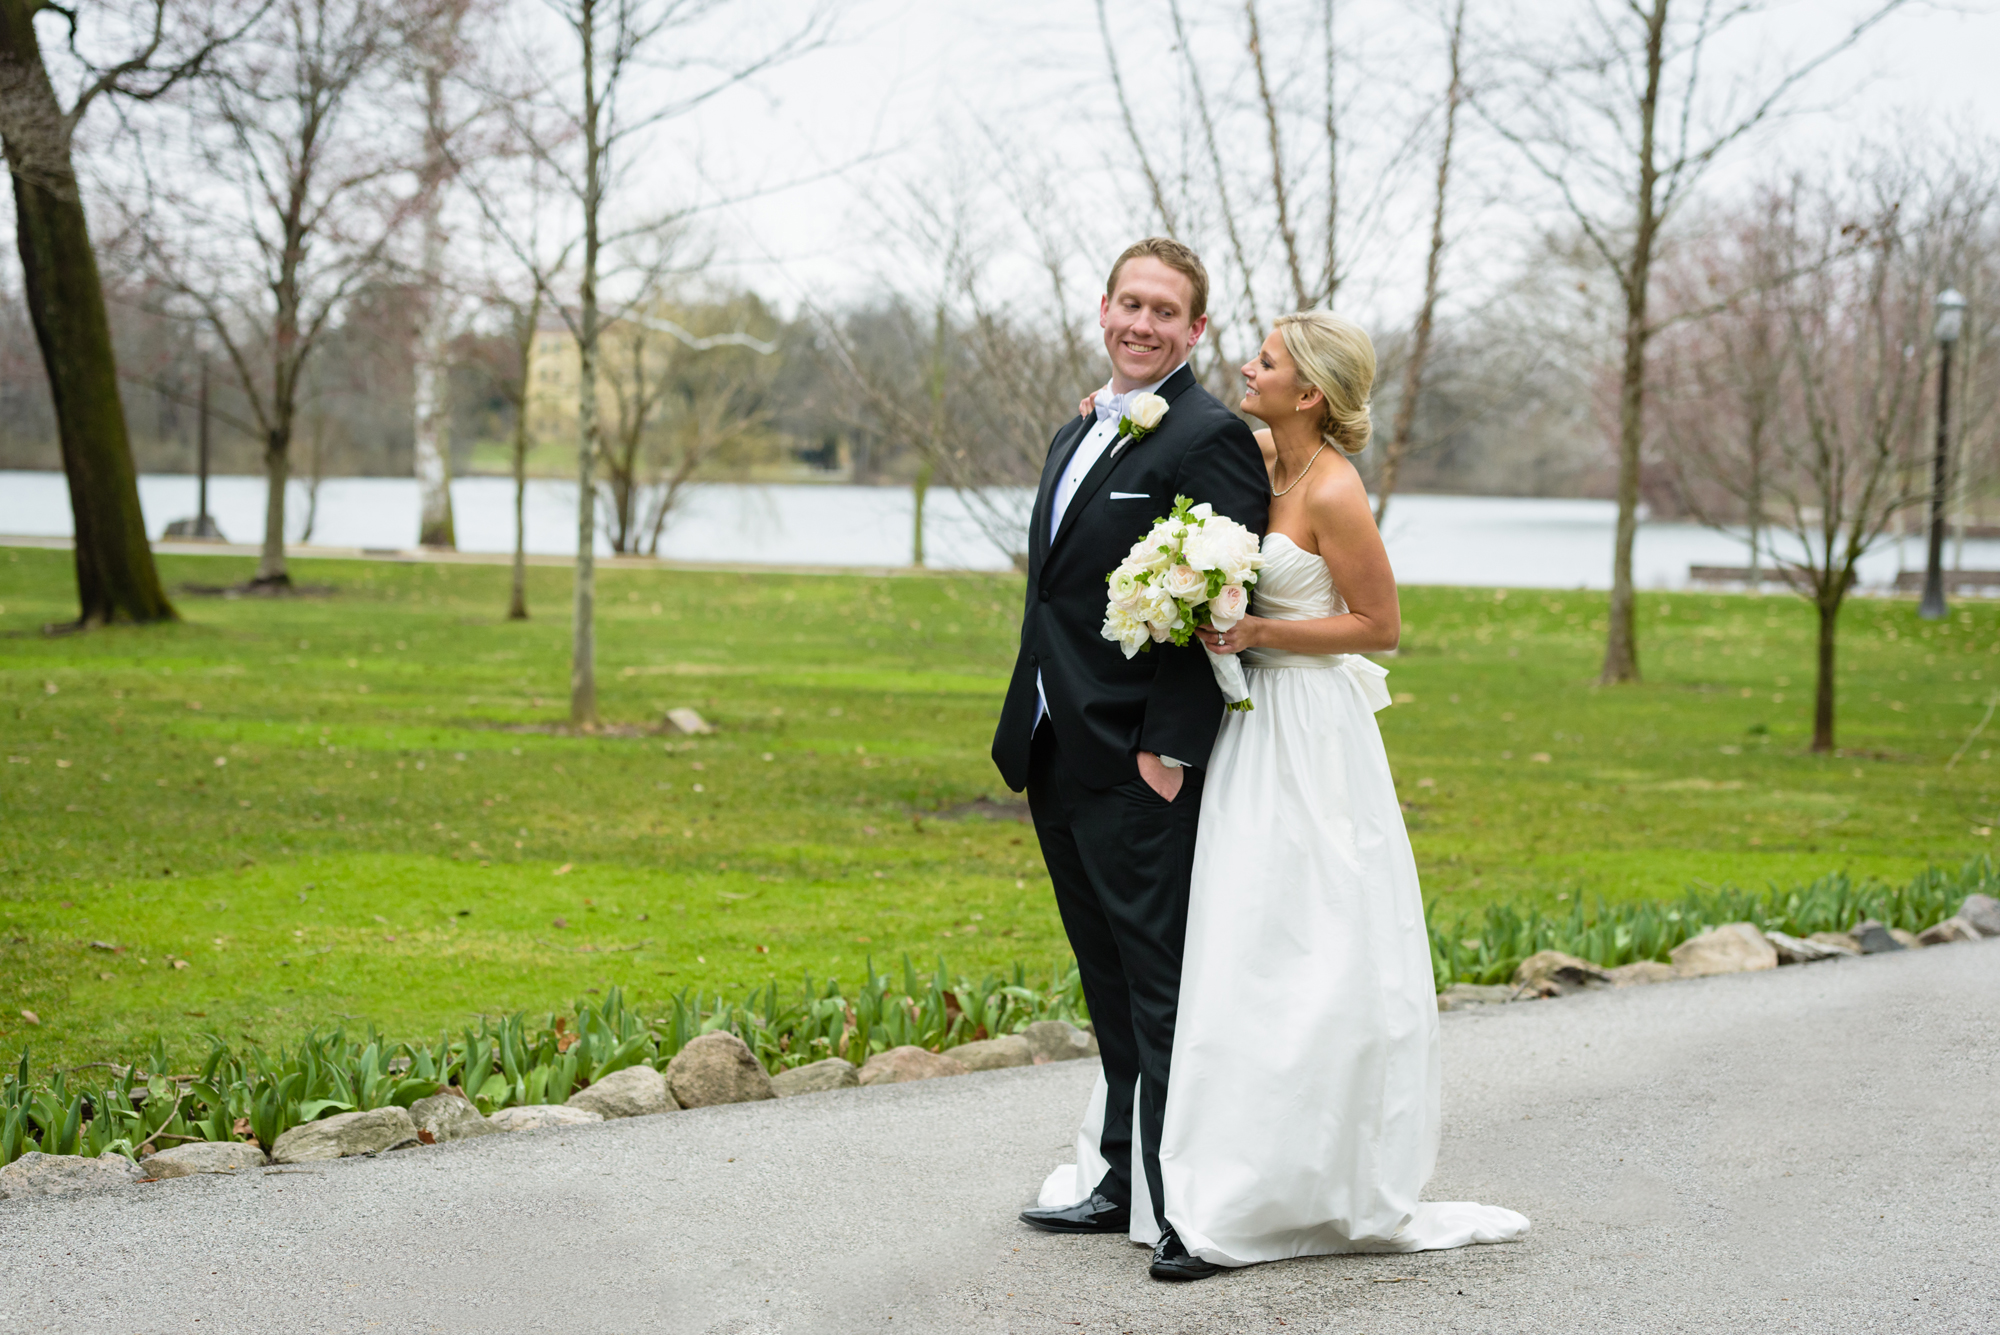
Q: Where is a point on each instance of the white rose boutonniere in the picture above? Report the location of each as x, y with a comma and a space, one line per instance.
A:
1141, 419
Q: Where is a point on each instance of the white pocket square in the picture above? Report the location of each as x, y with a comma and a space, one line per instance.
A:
1130, 496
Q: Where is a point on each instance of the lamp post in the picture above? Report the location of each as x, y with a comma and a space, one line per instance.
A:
1950, 319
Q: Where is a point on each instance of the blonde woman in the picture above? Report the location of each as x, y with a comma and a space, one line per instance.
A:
1303, 1118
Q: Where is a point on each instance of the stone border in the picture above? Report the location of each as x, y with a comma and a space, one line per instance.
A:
1736, 947
712, 1069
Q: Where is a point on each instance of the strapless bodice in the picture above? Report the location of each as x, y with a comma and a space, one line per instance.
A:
1295, 585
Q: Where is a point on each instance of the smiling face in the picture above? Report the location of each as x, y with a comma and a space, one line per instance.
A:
1272, 391
1147, 326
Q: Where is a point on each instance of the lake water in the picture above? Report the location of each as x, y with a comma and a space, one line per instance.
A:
1477, 540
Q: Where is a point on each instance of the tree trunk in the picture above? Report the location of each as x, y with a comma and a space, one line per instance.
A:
116, 579
517, 600
919, 489
433, 438
1829, 623
277, 480
1420, 343
1621, 646
583, 631
433, 377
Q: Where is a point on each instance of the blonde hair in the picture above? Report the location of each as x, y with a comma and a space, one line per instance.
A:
1334, 356
1175, 256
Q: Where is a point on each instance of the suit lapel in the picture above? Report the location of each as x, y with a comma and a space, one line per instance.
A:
1175, 385
1060, 453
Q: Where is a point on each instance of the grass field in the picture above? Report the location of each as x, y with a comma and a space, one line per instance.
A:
359, 806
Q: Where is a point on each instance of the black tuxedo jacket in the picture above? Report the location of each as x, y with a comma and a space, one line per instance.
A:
1106, 708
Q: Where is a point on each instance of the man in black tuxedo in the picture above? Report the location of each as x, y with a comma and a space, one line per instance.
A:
1110, 749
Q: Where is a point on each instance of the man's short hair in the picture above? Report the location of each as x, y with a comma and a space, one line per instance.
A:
1176, 257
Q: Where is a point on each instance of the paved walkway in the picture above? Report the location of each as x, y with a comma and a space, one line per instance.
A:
1813, 1149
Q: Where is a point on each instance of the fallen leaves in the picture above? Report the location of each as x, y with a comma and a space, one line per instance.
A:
31, 1017
562, 870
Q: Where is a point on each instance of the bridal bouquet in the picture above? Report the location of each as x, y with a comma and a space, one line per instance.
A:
1194, 569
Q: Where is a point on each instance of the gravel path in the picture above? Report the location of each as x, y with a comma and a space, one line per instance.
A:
1809, 1149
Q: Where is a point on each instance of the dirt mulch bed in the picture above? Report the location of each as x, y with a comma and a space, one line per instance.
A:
255, 590
982, 808
572, 730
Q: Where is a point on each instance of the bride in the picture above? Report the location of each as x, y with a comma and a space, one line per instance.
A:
1303, 1117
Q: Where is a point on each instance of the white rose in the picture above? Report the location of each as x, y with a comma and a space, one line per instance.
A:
1125, 626
1241, 555
1161, 612
1146, 411
1150, 553
1184, 582
1203, 511
1229, 606
1205, 549
1126, 589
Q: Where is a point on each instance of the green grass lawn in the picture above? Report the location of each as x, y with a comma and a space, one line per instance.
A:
359, 806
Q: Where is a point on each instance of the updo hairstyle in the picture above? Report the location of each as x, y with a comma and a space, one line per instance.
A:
1335, 357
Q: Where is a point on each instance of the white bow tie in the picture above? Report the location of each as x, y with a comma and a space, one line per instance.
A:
1111, 407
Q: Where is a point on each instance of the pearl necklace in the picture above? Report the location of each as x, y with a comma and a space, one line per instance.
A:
1303, 471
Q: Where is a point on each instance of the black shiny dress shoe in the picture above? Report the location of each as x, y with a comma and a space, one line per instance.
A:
1173, 1261
1096, 1213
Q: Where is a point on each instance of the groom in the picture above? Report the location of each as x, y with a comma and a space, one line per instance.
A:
1110, 749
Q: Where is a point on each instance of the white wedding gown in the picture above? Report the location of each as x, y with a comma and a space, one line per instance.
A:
1303, 1118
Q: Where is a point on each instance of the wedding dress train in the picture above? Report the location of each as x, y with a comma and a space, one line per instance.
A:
1303, 1118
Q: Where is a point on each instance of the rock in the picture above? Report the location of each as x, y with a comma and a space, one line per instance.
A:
536, 1116
1875, 939
1943, 933
689, 723
1792, 950
38, 1174
1983, 912
344, 1134
833, 1073
717, 1068
448, 1116
202, 1156
1838, 940
990, 1054
1734, 947
1550, 973
636, 1091
1460, 996
1640, 972
1058, 1041
908, 1063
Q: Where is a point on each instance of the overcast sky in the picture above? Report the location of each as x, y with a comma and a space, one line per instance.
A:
914, 103
916, 88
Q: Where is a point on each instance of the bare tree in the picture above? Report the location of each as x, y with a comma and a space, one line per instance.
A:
1724, 357
583, 121
679, 404
1421, 332
436, 44
1617, 114
1823, 439
115, 576
290, 122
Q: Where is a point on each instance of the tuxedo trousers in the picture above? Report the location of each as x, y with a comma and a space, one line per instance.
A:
1120, 859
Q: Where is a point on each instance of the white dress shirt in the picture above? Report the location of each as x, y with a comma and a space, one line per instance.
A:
1110, 408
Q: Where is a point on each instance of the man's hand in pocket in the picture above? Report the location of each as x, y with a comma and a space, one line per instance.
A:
1166, 782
